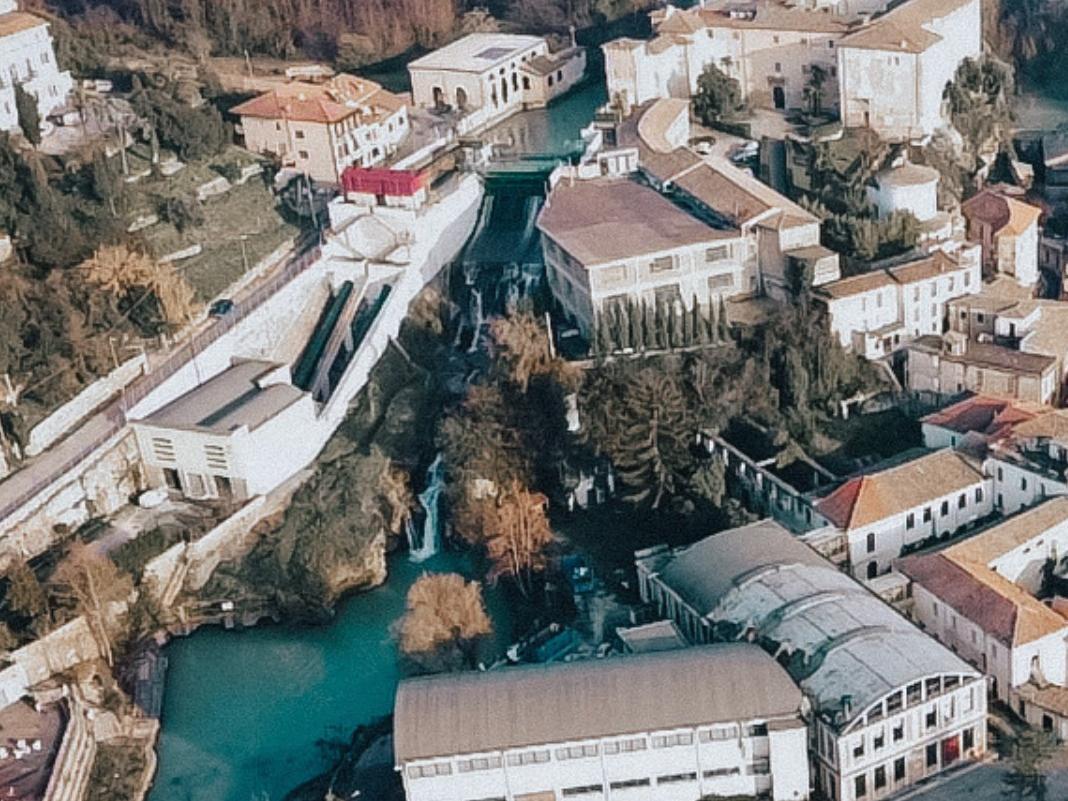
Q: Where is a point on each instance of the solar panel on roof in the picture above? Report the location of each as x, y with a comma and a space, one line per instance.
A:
494, 53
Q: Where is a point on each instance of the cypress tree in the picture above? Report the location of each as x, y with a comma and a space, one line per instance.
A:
722, 322
634, 318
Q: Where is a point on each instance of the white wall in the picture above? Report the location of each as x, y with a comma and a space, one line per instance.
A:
28, 58
920, 199
894, 532
1015, 486
732, 761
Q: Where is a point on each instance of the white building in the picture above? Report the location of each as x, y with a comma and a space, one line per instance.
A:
979, 598
906, 187
27, 58
976, 421
666, 726
893, 70
881, 513
885, 72
614, 240
237, 435
1031, 464
486, 77
890, 706
876, 312
1007, 229
769, 47
321, 129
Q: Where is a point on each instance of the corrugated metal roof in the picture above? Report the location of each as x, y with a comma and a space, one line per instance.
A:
467, 713
841, 640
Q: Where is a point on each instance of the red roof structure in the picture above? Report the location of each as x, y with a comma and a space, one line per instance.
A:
381, 181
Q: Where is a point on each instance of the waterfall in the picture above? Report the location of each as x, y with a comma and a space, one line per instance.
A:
476, 318
429, 544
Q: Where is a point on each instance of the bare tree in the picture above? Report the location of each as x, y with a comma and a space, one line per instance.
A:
92, 584
444, 622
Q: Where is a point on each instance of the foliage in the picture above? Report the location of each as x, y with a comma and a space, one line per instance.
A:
640, 328
118, 771
522, 342
978, 100
866, 238
645, 414
815, 86
125, 273
719, 96
90, 584
183, 213
444, 622
132, 556
28, 114
193, 133
513, 529
26, 598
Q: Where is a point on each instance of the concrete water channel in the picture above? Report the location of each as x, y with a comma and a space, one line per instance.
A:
244, 710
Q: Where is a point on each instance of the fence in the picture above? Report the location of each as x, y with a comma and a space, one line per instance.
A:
115, 413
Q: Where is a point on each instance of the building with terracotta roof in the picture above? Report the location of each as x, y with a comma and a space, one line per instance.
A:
883, 513
978, 419
322, 129
1007, 229
27, 58
486, 77
949, 365
890, 705
613, 241
892, 70
1031, 463
979, 597
877, 312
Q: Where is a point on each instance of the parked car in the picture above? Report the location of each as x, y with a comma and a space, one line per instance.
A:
745, 151
221, 307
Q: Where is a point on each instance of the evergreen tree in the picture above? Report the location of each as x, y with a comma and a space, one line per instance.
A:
634, 320
688, 337
723, 324
28, 114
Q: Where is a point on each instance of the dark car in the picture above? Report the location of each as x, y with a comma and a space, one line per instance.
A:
221, 307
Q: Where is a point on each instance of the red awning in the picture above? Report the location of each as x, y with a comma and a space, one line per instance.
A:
374, 181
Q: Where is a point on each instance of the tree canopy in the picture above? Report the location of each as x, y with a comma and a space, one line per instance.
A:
718, 97
444, 622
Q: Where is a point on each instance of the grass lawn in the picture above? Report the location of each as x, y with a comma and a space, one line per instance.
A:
250, 210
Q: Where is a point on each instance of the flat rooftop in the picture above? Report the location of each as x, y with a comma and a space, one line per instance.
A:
604, 220
476, 52
237, 397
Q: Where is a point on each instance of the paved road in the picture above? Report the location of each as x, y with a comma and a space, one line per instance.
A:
36, 474
985, 782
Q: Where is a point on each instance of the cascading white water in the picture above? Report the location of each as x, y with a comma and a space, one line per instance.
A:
421, 548
476, 318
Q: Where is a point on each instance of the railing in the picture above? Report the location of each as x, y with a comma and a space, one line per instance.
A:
115, 413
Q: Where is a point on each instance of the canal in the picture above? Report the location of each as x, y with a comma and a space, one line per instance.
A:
244, 711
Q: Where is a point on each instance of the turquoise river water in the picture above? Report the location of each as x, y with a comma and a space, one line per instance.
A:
243, 710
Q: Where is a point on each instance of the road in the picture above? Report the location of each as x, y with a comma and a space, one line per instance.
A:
985, 782
41, 471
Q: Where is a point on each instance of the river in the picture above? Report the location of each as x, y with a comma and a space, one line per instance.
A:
243, 710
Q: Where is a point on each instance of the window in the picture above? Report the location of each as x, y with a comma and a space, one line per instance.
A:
860, 786
969, 739
585, 789
893, 703
303, 154
760, 767
914, 693
718, 733
931, 718
1001, 474
1023, 483
299, 134
871, 542
671, 740
880, 777
576, 752
932, 755
899, 769
878, 741
898, 731
676, 778
927, 515
662, 264
978, 494
778, 67
623, 785
721, 281
933, 686
719, 772
910, 520
717, 253
945, 508
858, 749
758, 730
962, 501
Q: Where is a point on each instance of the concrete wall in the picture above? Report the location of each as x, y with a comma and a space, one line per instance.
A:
63, 419
74, 762
69, 645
